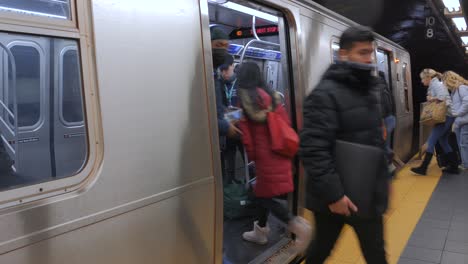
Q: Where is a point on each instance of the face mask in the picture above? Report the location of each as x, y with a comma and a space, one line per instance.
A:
362, 71
218, 56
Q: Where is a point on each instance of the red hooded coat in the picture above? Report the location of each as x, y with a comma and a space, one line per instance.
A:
273, 171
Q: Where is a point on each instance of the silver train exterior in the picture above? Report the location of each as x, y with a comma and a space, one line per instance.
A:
151, 189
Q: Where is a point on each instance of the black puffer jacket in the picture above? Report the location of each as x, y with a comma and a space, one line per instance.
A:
343, 107
388, 104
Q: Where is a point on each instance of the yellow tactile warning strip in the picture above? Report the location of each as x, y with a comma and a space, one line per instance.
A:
409, 196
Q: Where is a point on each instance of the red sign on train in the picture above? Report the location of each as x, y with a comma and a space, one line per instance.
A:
247, 32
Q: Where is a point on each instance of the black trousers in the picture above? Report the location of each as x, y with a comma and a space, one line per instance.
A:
328, 228
267, 205
228, 157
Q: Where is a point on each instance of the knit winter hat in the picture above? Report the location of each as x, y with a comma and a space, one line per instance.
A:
218, 33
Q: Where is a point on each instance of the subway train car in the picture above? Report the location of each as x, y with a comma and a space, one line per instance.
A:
107, 112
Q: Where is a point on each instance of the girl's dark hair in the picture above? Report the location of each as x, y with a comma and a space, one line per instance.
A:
250, 78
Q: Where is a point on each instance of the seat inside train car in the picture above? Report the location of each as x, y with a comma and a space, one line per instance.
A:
256, 34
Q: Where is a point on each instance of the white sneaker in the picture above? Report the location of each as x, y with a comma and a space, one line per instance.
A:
258, 235
301, 228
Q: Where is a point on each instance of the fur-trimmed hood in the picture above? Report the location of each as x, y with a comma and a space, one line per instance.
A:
257, 111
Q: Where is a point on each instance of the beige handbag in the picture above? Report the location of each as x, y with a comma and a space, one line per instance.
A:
433, 113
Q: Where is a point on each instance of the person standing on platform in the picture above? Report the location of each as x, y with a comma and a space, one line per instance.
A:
344, 106
457, 85
437, 91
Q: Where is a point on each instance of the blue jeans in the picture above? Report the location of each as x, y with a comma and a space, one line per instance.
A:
440, 133
390, 123
462, 139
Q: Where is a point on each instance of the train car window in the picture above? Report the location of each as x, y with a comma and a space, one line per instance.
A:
46, 8
70, 87
405, 75
28, 85
46, 138
335, 46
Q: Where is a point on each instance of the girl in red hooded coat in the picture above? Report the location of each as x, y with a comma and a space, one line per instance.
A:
273, 171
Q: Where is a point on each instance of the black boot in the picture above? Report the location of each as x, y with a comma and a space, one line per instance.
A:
452, 163
421, 170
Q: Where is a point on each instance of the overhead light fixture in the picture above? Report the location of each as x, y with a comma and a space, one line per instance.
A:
250, 11
217, 1
452, 5
4, 8
465, 40
460, 23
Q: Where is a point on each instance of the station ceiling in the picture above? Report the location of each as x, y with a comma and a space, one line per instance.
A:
405, 22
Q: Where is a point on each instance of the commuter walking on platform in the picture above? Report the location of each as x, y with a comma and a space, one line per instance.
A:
345, 106
437, 91
459, 109
273, 170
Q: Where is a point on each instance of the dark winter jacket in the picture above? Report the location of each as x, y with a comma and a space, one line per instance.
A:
273, 171
223, 124
346, 107
388, 103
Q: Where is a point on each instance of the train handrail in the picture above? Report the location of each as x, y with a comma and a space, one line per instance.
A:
6, 108
256, 40
14, 114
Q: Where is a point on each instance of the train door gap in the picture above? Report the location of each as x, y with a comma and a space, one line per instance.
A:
51, 113
266, 45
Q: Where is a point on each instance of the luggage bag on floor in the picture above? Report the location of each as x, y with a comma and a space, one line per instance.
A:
237, 197
441, 160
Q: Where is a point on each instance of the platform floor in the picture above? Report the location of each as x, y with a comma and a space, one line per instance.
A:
441, 235
439, 223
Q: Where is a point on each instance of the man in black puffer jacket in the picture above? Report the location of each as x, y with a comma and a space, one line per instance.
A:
345, 105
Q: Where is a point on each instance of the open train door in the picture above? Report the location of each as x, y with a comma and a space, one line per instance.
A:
259, 34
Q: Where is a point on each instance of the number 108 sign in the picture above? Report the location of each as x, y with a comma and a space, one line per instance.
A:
430, 22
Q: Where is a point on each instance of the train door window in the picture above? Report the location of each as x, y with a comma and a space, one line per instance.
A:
45, 138
383, 65
70, 87
28, 84
405, 74
46, 8
335, 48
45, 66
257, 34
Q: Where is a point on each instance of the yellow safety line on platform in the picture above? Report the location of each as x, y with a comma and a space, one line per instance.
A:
410, 195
